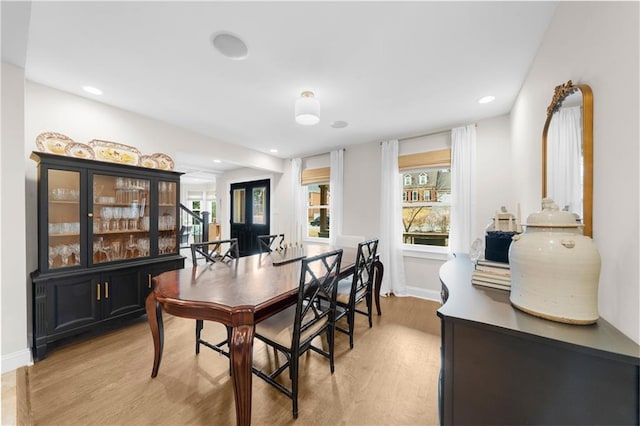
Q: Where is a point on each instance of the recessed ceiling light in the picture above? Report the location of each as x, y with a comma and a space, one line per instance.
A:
92, 90
339, 124
217, 161
486, 99
229, 45
273, 150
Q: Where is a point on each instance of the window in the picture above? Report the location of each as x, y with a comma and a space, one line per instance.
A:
422, 179
426, 208
318, 200
426, 221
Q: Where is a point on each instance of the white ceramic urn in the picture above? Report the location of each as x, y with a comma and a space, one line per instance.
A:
554, 268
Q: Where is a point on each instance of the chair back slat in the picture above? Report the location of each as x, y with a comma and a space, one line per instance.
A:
318, 284
363, 273
268, 243
211, 251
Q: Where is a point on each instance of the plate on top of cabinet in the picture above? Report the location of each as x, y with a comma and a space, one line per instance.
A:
114, 152
148, 161
164, 161
79, 150
53, 143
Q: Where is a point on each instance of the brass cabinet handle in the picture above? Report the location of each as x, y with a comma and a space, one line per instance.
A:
90, 214
149, 275
98, 292
106, 290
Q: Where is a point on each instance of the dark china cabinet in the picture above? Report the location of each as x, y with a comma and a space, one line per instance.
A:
104, 230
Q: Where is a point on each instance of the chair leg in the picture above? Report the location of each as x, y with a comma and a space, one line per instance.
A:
369, 308
199, 325
293, 368
331, 342
351, 319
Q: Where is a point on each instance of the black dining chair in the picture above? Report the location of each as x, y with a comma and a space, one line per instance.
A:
268, 243
357, 288
213, 252
292, 330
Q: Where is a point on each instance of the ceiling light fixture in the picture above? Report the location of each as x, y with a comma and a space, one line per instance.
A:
486, 99
307, 109
92, 90
217, 161
273, 150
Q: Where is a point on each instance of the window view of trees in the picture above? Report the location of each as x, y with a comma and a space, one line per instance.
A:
426, 206
318, 201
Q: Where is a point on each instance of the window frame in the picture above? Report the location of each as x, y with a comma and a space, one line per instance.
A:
308, 207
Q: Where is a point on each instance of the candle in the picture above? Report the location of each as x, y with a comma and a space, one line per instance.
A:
496, 223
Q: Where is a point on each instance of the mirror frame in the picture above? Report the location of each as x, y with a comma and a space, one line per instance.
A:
561, 92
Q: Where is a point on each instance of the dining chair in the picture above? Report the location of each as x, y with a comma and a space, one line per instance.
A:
356, 288
211, 251
292, 330
268, 243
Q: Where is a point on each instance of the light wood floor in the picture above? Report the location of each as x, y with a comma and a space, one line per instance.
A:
389, 378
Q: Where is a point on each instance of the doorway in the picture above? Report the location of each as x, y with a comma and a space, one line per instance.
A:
250, 214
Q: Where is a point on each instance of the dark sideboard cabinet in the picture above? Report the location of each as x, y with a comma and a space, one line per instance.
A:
104, 230
501, 366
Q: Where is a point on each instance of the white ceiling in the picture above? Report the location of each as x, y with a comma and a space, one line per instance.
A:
389, 69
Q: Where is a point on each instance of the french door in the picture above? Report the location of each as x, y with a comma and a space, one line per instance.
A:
249, 214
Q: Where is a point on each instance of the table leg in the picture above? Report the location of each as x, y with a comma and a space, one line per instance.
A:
154, 317
241, 349
379, 270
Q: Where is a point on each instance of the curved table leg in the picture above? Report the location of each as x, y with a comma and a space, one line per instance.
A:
241, 349
154, 317
379, 271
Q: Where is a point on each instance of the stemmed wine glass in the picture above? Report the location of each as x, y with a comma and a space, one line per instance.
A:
65, 253
75, 249
117, 215
53, 252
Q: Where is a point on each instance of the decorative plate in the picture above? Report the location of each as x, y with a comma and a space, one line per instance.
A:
79, 150
148, 161
53, 143
115, 152
164, 161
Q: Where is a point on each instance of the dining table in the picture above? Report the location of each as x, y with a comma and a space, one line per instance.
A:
239, 294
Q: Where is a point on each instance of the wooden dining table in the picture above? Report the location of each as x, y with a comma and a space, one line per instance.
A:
239, 294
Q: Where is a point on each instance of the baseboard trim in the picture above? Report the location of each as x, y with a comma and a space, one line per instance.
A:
15, 360
424, 293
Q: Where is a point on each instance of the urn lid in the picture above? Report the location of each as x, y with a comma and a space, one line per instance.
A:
552, 217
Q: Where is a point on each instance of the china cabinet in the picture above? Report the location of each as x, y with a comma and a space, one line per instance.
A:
104, 230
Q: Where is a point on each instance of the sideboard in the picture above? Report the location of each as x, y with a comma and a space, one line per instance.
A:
503, 366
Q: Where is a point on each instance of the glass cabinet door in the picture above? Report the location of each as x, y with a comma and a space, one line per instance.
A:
120, 218
64, 218
168, 209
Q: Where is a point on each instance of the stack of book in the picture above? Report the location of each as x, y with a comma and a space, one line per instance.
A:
492, 274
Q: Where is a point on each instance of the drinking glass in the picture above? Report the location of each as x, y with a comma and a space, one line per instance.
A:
65, 253
53, 252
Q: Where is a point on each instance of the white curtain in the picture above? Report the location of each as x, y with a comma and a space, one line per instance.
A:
564, 159
294, 232
336, 191
390, 246
463, 206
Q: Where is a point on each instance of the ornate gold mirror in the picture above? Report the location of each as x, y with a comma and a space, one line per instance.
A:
567, 151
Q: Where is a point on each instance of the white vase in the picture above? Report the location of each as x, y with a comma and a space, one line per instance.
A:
555, 269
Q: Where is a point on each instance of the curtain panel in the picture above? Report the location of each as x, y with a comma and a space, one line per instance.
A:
390, 245
336, 184
463, 205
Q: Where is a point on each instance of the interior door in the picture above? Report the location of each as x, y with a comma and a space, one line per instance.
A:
249, 214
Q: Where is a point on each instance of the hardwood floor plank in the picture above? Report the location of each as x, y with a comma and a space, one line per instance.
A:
389, 378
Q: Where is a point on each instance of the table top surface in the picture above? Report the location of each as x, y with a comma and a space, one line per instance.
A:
252, 281
491, 307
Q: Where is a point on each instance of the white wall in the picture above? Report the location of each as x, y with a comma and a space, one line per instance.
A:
14, 279
596, 43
